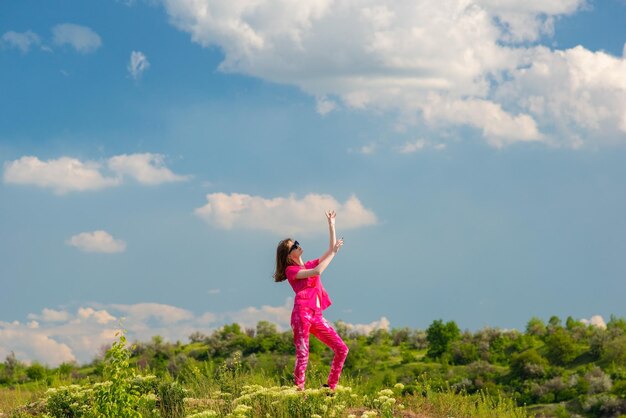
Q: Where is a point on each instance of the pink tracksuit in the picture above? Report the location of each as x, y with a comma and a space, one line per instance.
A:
311, 299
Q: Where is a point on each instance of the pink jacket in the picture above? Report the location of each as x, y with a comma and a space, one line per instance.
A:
307, 289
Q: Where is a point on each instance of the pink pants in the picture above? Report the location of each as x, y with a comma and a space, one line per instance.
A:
305, 321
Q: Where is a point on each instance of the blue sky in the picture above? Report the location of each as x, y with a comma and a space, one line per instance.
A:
154, 152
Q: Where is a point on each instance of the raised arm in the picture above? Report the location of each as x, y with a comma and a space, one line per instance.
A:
332, 239
319, 269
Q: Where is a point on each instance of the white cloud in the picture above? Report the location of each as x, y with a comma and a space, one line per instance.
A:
367, 149
146, 168
81, 335
595, 320
67, 174
101, 316
138, 64
164, 313
499, 127
584, 91
214, 291
411, 147
453, 63
20, 40
30, 344
63, 175
282, 215
249, 317
382, 323
324, 105
419, 145
97, 242
51, 315
81, 38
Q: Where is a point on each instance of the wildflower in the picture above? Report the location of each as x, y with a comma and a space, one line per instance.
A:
316, 416
399, 386
203, 414
387, 392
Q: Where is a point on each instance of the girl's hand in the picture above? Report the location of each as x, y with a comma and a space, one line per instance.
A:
330, 215
338, 245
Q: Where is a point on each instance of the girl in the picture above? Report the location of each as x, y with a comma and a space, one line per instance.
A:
311, 299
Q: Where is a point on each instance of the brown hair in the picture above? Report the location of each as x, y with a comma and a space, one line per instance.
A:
282, 259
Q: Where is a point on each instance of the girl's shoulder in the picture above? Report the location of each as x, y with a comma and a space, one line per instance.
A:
311, 263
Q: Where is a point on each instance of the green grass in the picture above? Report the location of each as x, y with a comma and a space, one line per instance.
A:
248, 394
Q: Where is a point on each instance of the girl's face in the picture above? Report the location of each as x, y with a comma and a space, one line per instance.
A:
295, 251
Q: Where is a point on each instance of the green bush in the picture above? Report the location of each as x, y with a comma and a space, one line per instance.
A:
116, 396
69, 402
171, 400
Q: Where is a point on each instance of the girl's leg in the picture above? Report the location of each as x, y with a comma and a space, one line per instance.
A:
301, 324
327, 334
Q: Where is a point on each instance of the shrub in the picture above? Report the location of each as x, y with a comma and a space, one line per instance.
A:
615, 352
68, 402
116, 397
171, 400
36, 372
527, 365
561, 347
440, 336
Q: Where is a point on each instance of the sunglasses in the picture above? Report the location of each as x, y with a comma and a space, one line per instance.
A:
295, 246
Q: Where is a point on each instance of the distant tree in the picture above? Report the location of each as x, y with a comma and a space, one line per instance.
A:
36, 372
561, 347
265, 328
417, 339
616, 323
66, 369
554, 323
615, 352
197, 337
12, 367
378, 336
440, 336
536, 327
528, 365
598, 381
463, 352
400, 335
598, 338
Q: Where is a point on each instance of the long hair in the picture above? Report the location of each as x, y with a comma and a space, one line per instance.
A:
282, 259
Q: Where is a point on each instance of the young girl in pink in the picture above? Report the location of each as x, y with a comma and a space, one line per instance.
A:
311, 299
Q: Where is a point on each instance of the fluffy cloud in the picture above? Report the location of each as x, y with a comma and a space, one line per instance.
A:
97, 242
51, 315
20, 40
138, 64
145, 168
163, 313
63, 175
324, 105
584, 91
382, 323
595, 320
29, 344
453, 63
81, 38
281, 215
80, 335
67, 174
419, 145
